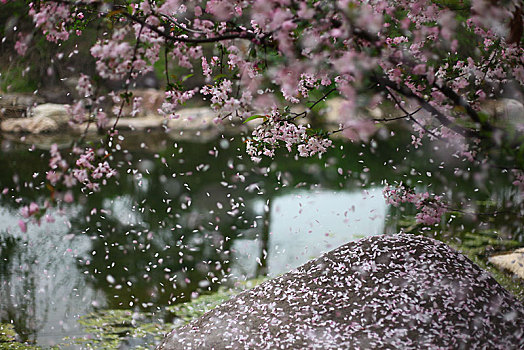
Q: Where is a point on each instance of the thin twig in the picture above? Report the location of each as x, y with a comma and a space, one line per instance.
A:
304, 114
181, 39
127, 82
494, 213
179, 25
408, 115
411, 116
382, 80
166, 64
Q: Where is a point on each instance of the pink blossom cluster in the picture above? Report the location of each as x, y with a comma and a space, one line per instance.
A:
430, 207
314, 145
114, 58
52, 18
79, 112
519, 179
222, 100
117, 58
359, 129
268, 54
84, 86
80, 109
22, 44
408, 34
315, 44
175, 98
29, 210
206, 67
184, 54
397, 195
151, 43
33, 213
274, 130
169, 7
430, 213
309, 81
59, 168
88, 106
89, 170
224, 10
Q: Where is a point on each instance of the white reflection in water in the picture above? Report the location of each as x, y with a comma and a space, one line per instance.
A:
41, 289
304, 224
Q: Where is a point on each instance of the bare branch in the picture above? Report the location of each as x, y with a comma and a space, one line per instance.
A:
410, 115
180, 39
382, 80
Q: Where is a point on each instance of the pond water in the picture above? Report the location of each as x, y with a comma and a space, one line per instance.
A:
185, 217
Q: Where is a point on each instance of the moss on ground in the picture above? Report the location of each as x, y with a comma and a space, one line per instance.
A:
8, 339
478, 247
111, 329
197, 307
116, 329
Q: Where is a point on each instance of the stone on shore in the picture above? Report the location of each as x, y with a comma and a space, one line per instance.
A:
47, 117
150, 102
513, 262
57, 112
400, 291
16, 105
200, 118
505, 111
33, 125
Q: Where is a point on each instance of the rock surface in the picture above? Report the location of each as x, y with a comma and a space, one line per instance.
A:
46, 117
513, 262
200, 118
150, 101
16, 105
337, 113
504, 111
34, 125
401, 291
57, 112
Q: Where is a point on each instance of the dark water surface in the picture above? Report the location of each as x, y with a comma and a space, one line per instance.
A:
185, 217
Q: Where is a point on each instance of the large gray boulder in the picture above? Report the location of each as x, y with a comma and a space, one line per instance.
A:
394, 292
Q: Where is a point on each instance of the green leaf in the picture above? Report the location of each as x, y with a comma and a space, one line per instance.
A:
219, 76
256, 116
126, 96
187, 77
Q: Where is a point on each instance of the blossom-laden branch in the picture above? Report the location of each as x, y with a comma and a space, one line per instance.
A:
261, 57
430, 207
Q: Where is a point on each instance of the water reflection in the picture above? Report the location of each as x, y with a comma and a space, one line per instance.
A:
184, 218
42, 292
304, 224
169, 227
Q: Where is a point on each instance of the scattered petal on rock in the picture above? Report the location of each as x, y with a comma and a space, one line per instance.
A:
401, 291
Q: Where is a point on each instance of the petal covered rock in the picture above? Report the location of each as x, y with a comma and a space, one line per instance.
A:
400, 291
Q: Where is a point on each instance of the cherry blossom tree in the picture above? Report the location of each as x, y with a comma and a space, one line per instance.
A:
439, 63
